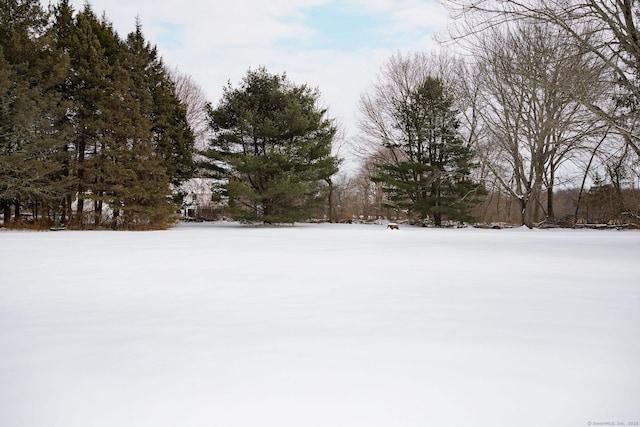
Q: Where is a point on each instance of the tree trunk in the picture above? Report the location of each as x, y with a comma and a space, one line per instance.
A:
116, 214
618, 200
584, 178
66, 203
536, 212
529, 212
550, 213
97, 212
17, 211
523, 211
437, 219
81, 189
80, 207
6, 212
330, 182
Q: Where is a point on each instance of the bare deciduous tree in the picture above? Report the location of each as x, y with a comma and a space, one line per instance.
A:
398, 78
608, 29
194, 98
410, 116
531, 77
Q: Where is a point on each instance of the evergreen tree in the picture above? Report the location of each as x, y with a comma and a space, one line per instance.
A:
85, 87
272, 148
132, 177
156, 93
30, 108
426, 170
86, 118
112, 148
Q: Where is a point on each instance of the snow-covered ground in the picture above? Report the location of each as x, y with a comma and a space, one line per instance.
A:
220, 325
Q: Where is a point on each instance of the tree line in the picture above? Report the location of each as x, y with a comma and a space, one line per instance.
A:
547, 98
97, 132
91, 127
534, 122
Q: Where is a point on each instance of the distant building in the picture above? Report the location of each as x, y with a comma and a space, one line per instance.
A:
201, 203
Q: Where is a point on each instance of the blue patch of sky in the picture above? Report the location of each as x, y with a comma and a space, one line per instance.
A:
336, 28
170, 35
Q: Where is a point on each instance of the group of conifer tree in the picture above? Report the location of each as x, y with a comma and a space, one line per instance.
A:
93, 134
91, 128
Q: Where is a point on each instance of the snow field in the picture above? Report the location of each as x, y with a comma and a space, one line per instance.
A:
319, 325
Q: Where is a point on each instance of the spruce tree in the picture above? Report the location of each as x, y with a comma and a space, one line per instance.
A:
87, 119
427, 170
85, 87
271, 148
112, 145
134, 182
30, 108
156, 92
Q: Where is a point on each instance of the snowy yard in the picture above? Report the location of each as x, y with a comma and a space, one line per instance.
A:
219, 325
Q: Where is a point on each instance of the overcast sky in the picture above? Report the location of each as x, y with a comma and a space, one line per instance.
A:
338, 46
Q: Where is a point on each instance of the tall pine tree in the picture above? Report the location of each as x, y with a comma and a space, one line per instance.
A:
427, 169
87, 119
113, 149
159, 103
134, 182
30, 109
271, 147
85, 87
